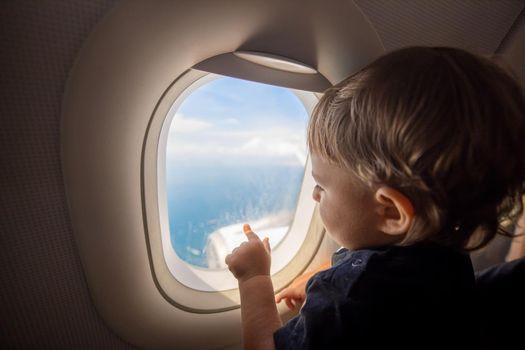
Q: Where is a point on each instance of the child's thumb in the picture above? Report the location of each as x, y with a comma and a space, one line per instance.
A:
266, 243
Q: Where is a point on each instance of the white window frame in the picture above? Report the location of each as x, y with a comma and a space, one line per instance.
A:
185, 284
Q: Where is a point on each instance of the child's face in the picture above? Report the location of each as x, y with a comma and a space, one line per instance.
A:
347, 207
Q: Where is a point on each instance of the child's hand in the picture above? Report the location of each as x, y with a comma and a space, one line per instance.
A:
251, 258
295, 294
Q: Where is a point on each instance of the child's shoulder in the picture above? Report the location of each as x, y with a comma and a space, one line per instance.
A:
385, 270
420, 285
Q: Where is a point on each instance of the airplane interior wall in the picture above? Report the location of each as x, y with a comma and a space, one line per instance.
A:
44, 298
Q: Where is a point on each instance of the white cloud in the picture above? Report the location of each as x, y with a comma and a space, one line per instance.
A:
231, 121
273, 143
273, 147
185, 149
181, 124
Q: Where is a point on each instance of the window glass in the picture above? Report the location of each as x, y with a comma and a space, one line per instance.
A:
236, 153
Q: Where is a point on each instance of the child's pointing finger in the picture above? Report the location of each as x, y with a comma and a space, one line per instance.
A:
249, 233
251, 258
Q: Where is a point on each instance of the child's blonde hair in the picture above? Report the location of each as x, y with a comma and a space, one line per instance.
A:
444, 127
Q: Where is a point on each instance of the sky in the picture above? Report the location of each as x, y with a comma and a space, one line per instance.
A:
236, 151
236, 120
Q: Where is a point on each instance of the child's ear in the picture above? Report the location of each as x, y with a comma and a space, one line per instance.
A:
395, 210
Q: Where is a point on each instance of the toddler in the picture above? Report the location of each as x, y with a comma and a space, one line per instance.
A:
417, 158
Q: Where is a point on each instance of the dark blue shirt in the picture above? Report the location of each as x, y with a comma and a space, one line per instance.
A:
399, 297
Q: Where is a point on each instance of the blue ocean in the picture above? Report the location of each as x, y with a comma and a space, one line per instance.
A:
203, 198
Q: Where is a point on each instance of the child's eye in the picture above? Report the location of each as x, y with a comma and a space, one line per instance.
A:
318, 188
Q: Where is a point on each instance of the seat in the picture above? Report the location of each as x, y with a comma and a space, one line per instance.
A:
501, 304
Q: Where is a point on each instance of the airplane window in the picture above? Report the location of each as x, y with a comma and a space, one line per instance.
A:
235, 153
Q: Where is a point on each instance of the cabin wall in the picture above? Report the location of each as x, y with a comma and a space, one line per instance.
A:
512, 49
44, 298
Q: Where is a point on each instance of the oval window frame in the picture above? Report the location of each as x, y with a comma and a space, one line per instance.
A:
174, 277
